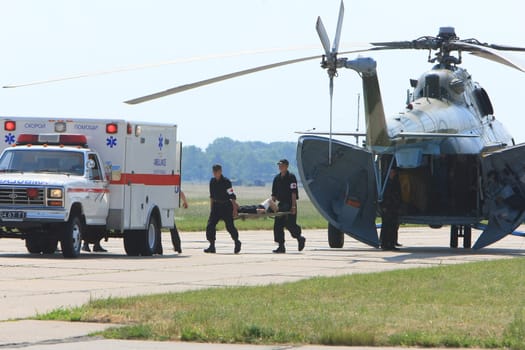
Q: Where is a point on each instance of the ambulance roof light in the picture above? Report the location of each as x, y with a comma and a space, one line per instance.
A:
111, 128
52, 139
9, 125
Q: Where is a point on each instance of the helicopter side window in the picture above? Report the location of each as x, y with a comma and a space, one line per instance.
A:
483, 101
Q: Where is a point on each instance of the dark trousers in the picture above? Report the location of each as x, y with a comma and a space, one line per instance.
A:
389, 229
286, 221
175, 237
224, 212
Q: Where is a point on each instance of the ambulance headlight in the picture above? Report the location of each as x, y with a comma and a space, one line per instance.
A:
54, 193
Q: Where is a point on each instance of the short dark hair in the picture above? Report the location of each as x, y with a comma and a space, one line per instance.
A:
216, 167
283, 161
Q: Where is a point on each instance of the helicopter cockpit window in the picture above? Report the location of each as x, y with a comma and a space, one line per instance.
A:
432, 87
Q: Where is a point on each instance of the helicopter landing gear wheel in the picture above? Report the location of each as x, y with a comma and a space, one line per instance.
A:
336, 238
463, 231
467, 236
454, 234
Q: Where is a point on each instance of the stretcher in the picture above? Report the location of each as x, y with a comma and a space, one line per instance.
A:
247, 216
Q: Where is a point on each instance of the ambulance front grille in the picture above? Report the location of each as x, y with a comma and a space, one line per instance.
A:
21, 196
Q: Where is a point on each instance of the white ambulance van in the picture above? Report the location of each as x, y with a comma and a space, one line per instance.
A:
68, 180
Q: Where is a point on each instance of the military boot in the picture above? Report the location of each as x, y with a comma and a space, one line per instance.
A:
237, 248
280, 249
211, 248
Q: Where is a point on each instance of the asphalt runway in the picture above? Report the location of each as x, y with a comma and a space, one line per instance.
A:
31, 284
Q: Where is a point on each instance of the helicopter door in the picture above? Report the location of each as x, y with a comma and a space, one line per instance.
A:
344, 192
504, 193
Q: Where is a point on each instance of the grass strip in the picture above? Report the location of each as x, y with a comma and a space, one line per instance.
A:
468, 305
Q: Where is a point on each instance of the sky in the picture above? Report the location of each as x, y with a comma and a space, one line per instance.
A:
53, 38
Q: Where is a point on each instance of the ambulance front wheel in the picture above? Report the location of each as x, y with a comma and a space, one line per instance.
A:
72, 237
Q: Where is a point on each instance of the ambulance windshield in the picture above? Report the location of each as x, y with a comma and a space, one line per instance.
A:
42, 161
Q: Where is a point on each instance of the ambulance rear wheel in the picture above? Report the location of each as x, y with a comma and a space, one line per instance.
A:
72, 237
336, 237
150, 237
131, 243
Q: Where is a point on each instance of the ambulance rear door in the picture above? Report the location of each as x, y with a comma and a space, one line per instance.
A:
152, 174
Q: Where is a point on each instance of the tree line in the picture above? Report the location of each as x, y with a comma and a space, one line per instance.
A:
250, 163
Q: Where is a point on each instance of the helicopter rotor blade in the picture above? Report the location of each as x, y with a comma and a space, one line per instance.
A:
190, 86
490, 54
321, 31
488, 51
425, 43
156, 65
506, 48
493, 46
337, 38
205, 82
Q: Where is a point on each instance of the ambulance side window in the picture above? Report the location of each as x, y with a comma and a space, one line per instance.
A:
94, 173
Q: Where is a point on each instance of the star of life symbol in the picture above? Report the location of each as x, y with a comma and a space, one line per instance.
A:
9, 139
111, 142
161, 142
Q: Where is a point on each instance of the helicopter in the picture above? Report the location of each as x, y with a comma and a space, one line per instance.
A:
457, 163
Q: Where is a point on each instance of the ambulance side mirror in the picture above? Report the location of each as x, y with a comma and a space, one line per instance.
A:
112, 172
90, 164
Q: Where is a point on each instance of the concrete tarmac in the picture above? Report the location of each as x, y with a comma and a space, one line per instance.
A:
31, 284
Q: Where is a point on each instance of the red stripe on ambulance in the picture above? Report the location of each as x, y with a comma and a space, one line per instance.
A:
148, 179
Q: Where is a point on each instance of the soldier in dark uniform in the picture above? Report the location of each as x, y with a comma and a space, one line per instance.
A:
390, 212
175, 236
284, 190
224, 207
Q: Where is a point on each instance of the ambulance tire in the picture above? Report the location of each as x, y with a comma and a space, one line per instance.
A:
41, 243
150, 237
71, 241
131, 242
49, 245
33, 244
336, 237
